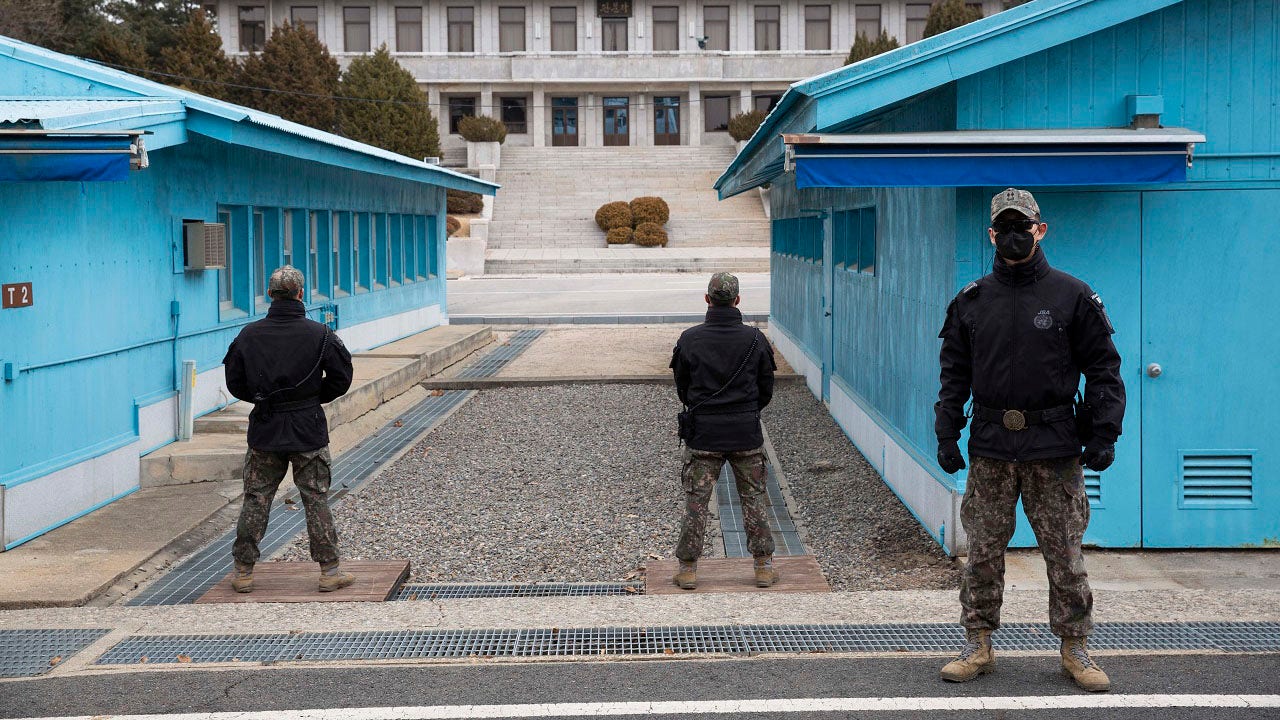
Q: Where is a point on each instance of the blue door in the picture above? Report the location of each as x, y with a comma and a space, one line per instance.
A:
1097, 236
1211, 413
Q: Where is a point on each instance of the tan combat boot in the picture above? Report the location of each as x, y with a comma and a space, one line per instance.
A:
687, 577
1077, 663
975, 659
766, 576
331, 578
242, 581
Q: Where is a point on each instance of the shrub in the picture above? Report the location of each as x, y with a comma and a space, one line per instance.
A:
619, 236
651, 235
482, 128
451, 225
463, 202
949, 15
649, 209
613, 215
742, 127
864, 47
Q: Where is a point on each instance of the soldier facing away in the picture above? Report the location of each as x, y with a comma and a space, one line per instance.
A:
724, 376
1018, 340
287, 365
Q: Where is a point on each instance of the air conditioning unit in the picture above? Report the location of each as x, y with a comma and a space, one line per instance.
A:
205, 245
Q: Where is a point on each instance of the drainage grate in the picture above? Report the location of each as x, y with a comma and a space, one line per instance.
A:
719, 639
27, 653
490, 364
786, 539
461, 591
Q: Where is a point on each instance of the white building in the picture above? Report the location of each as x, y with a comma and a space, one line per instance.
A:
591, 72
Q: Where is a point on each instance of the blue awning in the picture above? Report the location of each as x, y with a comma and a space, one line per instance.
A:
1035, 158
43, 158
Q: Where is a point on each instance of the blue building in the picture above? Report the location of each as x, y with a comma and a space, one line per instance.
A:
102, 175
1148, 131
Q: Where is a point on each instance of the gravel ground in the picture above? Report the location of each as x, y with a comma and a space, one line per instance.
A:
565, 484
862, 535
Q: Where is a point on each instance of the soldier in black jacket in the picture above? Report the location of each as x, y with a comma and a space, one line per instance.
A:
287, 365
724, 376
1017, 341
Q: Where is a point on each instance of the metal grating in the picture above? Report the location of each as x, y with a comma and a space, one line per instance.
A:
786, 539
462, 591
1217, 480
27, 653
494, 361
717, 639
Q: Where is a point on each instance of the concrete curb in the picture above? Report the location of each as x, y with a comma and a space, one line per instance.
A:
602, 319
492, 383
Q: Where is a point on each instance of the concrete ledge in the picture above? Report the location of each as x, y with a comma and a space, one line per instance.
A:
655, 319
546, 381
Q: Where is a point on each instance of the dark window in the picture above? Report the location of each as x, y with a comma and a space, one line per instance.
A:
715, 26
866, 21
917, 16
564, 29
666, 28
355, 29
515, 114
817, 27
306, 16
510, 29
715, 109
764, 103
225, 284
408, 29
854, 240
767, 28
462, 29
460, 107
613, 34
253, 27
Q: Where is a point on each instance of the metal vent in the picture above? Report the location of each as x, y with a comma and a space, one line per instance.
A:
205, 245
1214, 480
1093, 487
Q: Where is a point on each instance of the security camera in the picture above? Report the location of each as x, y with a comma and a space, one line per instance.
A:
702, 42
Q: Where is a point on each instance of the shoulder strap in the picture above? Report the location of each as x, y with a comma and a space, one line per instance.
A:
755, 341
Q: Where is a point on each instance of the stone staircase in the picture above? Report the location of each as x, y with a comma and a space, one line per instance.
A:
549, 197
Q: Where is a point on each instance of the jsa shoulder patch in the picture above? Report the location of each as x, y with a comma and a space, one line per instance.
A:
1102, 310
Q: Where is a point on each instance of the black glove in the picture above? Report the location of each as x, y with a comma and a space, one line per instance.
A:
949, 457
1098, 455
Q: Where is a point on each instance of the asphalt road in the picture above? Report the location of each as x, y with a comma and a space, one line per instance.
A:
280, 690
634, 294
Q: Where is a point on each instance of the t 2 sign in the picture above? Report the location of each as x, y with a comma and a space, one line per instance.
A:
16, 295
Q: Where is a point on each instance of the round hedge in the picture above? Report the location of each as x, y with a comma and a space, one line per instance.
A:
742, 127
613, 215
452, 225
650, 209
619, 236
651, 235
463, 202
482, 128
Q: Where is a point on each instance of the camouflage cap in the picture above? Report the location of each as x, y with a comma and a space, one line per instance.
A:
723, 287
1015, 199
285, 283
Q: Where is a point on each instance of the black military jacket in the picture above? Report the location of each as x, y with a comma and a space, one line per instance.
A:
704, 359
277, 353
1019, 339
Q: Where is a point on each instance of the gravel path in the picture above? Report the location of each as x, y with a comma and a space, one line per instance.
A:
863, 536
566, 484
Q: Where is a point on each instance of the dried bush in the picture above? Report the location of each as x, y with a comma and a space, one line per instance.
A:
451, 225
482, 128
463, 202
613, 215
742, 127
649, 209
619, 236
865, 47
651, 235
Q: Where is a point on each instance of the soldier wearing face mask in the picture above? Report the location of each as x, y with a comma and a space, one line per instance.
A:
1016, 342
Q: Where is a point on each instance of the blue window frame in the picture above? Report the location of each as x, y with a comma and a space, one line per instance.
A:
363, 265
854, 238
396, 235
344, 253
429, 231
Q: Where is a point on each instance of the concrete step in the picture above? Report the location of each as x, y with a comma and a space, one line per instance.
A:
216, 451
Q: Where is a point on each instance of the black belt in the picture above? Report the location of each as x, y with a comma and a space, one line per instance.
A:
1020, 419
727, 409
293, 405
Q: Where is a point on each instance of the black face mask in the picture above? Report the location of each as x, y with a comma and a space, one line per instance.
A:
1015, 245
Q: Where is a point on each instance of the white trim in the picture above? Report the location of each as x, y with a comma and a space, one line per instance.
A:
389, 329
799, 360
46, 501
1093, 136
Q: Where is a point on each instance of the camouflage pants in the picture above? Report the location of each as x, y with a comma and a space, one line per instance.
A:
1054, 499
263, 471
701, 470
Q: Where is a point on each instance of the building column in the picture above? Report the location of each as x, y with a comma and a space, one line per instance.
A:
539, 112
695, 114
744, 100
486, 101
589, 123
642, 120
442, 115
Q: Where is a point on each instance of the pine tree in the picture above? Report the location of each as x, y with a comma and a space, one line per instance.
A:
65, 26
117, 46
393, 113
293, 77
864, 47
196, 61
948, 15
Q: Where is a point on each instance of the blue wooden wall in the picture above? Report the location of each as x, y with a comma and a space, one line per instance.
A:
101, 257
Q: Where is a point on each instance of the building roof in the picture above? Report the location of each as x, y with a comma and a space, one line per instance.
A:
84, 113
315, 145
841, 100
